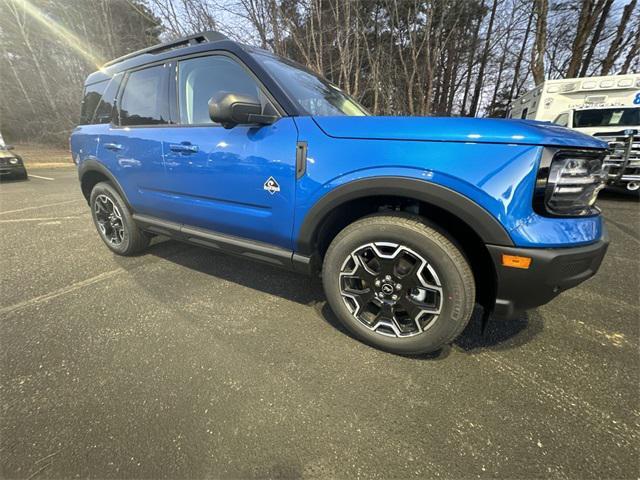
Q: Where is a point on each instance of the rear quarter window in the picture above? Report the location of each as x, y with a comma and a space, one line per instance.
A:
92, 95
106, 107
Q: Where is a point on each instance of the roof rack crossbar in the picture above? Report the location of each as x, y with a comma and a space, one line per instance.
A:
196, 38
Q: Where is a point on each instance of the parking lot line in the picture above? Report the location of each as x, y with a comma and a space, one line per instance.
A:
38, 206
31, 175
45, 219
62, 291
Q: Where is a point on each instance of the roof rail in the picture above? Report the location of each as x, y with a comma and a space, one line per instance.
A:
196, 38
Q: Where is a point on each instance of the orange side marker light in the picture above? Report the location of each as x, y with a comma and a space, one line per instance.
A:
514, 261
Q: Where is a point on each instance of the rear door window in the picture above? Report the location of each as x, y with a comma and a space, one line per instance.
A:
92, 95
145, 100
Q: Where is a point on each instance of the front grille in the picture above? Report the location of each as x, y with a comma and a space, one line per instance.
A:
623, 158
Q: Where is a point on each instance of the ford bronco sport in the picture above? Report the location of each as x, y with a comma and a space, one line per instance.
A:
409, 221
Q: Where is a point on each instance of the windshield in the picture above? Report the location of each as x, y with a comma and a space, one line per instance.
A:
607, 117
311, 92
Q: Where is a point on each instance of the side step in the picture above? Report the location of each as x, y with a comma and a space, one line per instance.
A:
243, 247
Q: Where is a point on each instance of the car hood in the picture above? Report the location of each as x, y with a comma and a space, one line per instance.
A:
452, 129
6, 154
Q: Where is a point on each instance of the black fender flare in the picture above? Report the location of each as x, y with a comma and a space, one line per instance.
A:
476, 217
91, 165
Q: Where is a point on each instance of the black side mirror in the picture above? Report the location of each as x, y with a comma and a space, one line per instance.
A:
9, 147
231, 109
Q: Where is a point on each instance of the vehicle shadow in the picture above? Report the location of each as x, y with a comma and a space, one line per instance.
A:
247, 273
498, 334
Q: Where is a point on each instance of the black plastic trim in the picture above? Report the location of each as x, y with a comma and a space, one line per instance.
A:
243, 247
91, 165
477, 218
301, 159
196, 38
552, 271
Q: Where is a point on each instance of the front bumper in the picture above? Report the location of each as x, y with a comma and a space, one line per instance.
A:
11, 170
552, 271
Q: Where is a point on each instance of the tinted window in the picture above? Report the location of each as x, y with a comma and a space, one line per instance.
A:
314, 94
201, 78
104, 112
145, 99
524, 113
607, 117
92, 95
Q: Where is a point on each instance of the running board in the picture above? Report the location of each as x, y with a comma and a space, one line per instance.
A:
254, 250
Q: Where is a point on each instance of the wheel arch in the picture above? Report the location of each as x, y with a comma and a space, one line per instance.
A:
469, 224
485, 225
92, 172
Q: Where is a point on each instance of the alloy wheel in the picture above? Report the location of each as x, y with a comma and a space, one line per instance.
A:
109, 220
391, 289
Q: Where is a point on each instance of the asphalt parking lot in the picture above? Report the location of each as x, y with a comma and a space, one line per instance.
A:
184, 363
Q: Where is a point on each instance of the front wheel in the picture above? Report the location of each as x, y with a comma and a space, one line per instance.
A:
399, 284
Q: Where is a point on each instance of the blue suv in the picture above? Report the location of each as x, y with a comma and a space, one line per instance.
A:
409, 221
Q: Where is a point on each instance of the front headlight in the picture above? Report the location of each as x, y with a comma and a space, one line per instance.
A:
13, 161
568, 185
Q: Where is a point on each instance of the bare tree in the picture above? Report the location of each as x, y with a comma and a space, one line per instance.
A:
537, 52
614, 50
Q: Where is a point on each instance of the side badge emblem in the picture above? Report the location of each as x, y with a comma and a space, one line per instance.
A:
271, 186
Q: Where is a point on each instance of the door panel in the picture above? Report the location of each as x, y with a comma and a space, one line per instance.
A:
135, 157
215, 179
133, 150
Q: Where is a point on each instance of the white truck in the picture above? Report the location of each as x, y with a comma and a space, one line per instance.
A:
605, 107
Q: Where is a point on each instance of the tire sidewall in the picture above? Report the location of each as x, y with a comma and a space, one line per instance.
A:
103, 188
455, 299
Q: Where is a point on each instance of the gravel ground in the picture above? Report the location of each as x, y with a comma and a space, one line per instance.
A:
184, 363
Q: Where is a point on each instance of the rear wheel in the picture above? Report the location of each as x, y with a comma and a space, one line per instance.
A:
114, 222
399, 284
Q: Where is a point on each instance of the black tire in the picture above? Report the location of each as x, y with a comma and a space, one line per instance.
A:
437, 252
21, 175
131, 239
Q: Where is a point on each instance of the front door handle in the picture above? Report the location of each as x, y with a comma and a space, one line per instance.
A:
184, 147
113, 146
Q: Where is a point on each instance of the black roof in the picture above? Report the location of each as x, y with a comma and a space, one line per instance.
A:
160, 51
189, 40
197, 44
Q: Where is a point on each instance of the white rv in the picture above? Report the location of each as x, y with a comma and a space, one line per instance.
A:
606, 107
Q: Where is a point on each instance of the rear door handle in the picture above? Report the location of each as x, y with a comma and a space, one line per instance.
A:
113, 146
184, 147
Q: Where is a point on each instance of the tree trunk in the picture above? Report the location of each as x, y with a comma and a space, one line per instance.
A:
518, 66
613, 53
540, 44
596, 37
470, 62
633, 54
483, 63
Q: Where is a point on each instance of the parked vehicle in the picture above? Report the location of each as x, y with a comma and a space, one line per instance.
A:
11, 165
410, 221
606, 107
